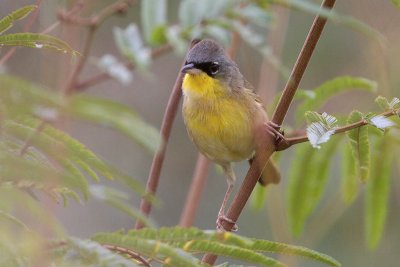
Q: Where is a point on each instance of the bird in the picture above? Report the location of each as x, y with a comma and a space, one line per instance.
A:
222, 113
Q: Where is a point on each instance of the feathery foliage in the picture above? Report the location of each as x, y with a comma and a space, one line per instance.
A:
359, 143
321, 94
377, 193
307, 180
174, 246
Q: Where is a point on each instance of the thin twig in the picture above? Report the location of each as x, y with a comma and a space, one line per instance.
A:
300, 65
166, 126
301, 139
267, 146
95, 20
69, 86
132, 254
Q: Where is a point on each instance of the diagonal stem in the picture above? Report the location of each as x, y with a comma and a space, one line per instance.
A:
267, 147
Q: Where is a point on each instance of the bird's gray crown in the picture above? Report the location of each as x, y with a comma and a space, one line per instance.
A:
206, 51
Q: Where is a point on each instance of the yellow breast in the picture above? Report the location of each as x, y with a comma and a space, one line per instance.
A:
219, 124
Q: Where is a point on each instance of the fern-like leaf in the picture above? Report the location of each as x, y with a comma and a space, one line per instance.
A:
377, 193
36, 40
307, 180
118, 199
193, 240
350, 181
8, 21
359, 143
114, 115
331, 88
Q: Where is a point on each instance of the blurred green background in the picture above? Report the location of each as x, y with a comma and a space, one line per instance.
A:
333, 229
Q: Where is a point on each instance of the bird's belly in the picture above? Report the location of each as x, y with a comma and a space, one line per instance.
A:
222, 134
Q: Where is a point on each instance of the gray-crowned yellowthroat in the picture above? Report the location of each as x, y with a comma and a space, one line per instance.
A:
221, 111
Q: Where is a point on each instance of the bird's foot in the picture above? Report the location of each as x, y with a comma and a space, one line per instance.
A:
223, 220
275, 130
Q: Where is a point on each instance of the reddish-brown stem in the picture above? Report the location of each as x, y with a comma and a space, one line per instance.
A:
300, 65
69, 86
301, 139
195, 192
130, 253
95, 20
158, 160
267, 147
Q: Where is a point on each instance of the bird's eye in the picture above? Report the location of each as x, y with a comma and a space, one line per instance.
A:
214, 68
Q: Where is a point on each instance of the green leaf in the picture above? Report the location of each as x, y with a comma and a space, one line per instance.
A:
194, 241
23, 98
8, 21
153, 16
275, 247
90, 253
258, 197
11, 218
377, 193
307, 181
350, 181
359, 143
382, 102
396, 3
36, 40
243, 254
114, 115
118, 199
332, 88
152, 249
20, 97
26, 173
51, 141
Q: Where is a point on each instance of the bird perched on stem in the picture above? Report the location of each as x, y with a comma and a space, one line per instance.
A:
222, 113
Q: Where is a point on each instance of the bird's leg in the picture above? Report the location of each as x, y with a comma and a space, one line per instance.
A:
276, 131
221, 214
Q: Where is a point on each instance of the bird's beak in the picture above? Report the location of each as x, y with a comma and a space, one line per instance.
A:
189, 68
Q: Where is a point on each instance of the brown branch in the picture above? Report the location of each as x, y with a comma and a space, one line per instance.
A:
132, 254
69, 87
300, 65
195, 191
303, 138
95, 20
166, 126
267, 147
103, 76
